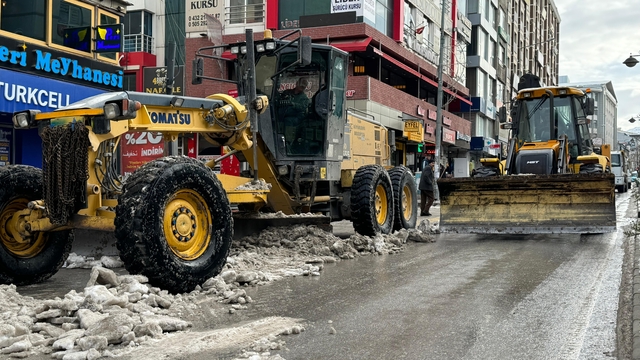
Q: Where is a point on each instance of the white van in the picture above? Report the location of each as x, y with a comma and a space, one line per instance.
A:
620, 168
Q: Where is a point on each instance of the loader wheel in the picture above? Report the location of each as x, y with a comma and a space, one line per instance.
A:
372, 201
485, 171
404, 198
591, 169
173, 223
34, 258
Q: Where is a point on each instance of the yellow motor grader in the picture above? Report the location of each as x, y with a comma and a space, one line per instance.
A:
553, 180
173, 217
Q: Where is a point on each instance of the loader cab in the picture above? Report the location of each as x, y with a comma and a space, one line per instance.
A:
545, 115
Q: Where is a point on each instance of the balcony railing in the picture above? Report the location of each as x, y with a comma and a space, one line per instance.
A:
139, 43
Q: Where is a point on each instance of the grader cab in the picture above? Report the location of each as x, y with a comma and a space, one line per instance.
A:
172, 217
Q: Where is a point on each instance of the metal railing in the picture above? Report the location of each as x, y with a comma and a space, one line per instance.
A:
139, 43
245, 14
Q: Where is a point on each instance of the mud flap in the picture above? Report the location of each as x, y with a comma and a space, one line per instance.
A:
526, 204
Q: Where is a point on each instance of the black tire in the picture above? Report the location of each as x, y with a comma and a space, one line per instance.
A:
404, 198
591, 169
372, 201
173, 223
485, 171
43, 255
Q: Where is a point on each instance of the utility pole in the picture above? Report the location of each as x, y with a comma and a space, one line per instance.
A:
171, 63
439, 100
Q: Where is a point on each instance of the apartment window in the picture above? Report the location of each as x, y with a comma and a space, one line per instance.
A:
482, 43
384, 16
138, 32
71, 25
490, 56
246, 11
492, 16
501, 56
24, 17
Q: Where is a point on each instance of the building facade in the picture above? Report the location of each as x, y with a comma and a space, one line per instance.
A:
53, 53
394, 46
604, 122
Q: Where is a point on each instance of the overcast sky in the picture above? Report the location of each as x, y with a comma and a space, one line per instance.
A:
596, 36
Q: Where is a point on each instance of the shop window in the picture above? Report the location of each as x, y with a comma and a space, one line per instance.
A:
71, 25
24, 17
290, 11
246, 11
138, 32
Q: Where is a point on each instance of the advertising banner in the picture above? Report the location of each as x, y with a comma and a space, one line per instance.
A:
195, 10
154, 80
138, 148
365, 8
19, 91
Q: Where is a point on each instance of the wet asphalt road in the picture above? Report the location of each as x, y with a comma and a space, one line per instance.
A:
462, 297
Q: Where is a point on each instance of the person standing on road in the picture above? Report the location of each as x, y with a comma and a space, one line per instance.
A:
426, 189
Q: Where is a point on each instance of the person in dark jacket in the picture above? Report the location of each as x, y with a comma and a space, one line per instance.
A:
426, 189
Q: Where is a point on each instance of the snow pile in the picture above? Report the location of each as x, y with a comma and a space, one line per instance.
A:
257, 185
75, 261
115, 314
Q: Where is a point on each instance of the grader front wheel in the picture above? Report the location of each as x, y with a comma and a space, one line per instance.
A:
372, 204
26, 258
173, 223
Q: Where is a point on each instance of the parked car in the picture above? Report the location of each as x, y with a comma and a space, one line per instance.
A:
634, 178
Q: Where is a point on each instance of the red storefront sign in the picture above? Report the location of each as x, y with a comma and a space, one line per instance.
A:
448, 136
138, 148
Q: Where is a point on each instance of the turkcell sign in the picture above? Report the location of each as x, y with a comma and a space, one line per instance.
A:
170, 118
19, 91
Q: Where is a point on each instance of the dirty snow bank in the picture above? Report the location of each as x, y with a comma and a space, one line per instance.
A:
116, 314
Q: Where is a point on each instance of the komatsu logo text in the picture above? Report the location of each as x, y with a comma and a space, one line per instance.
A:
169, 118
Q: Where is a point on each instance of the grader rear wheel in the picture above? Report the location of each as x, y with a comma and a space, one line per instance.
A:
173, 223
28, 258
404, 197
372, 205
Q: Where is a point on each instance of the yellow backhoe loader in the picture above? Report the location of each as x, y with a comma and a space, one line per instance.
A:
553, 180
172, 217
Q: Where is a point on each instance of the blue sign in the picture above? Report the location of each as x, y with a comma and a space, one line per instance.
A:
477, 143
19, 91
78, 38
109, 38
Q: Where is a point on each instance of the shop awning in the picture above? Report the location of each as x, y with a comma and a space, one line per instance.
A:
416, 73
352, 45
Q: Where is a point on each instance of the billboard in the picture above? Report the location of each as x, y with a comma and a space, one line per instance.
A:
154, 80
195, 10
138, 148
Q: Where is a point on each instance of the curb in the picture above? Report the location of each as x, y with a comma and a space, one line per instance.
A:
635, 346
636, 301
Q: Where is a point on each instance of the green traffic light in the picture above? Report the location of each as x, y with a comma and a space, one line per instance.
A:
419, 148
